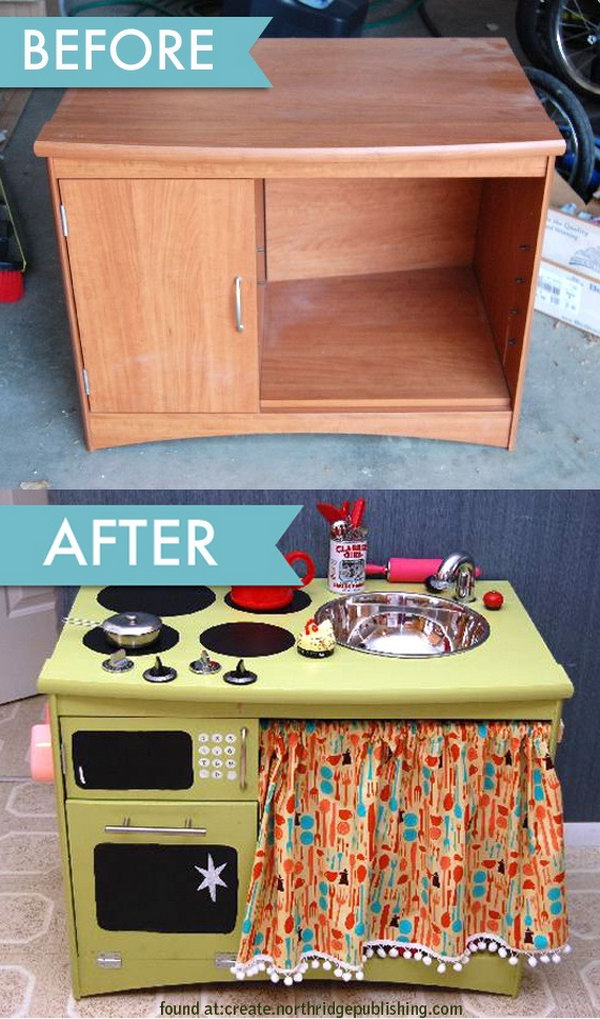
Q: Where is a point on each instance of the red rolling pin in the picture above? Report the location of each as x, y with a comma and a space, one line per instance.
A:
409, 571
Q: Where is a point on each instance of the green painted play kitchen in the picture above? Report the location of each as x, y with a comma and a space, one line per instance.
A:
226, 803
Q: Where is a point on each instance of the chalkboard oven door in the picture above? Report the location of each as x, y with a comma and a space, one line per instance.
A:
159, 880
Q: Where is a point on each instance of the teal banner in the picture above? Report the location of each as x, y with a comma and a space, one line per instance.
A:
89, 545
130, 53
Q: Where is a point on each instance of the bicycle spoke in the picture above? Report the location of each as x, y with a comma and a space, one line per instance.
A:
574, 35
582, 64
588, 24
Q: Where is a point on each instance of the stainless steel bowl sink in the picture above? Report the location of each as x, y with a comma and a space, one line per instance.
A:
402, 625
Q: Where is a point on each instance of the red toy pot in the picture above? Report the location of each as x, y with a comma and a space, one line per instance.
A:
269, 598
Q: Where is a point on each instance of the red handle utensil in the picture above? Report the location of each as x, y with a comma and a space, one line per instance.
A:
331, 513
357, 512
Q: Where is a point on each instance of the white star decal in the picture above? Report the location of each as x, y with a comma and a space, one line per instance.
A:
212, 878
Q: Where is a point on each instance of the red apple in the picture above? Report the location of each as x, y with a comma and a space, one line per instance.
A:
493, 600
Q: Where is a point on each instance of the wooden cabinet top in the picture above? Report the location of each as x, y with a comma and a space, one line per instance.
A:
444, 98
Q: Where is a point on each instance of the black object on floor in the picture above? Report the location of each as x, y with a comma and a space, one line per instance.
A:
96, 640
295, 19
565, 110
247, 640
12, 256
159, 601
301, 600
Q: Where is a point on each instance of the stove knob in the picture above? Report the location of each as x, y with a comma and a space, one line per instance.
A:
240, 676
204, 666
159, 673
118, 662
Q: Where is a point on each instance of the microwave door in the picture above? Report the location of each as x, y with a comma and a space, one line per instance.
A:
148, 759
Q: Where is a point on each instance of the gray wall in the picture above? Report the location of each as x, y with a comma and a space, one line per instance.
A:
547, 543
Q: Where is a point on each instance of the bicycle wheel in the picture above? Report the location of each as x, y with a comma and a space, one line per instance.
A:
532, 31
564, 108
574, 41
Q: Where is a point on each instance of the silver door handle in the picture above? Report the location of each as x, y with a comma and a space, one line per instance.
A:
239, 315
244, 757
141, 829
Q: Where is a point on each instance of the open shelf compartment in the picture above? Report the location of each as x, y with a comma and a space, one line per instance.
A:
397, 294
407, 339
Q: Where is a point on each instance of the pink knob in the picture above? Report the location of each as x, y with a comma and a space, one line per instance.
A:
40, 762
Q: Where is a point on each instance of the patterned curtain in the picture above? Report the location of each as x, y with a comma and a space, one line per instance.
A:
428, 840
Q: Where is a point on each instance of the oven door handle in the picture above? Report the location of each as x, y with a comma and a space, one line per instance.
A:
141, 829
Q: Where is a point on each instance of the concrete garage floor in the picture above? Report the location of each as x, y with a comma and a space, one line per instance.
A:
40, 432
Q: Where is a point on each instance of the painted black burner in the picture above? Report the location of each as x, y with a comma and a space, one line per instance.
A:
247, 640
160, 601
300, 601
96, 640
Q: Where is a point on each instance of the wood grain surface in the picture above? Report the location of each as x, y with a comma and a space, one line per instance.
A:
153, 266
409, 339
488, 161
63, 256
445, 97
344, 227
491, 427
506, 264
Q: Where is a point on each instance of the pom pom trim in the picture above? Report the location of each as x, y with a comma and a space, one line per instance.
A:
394, 949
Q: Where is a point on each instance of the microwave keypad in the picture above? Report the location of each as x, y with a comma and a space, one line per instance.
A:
217, 755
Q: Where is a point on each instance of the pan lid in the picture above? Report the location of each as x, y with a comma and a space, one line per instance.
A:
132, 624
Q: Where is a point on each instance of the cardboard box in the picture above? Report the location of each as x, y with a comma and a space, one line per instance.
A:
569, 280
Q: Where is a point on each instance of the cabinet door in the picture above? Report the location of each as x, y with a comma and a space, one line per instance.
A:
151, 886
154, 265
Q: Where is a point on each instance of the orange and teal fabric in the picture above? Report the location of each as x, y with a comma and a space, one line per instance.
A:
427, 839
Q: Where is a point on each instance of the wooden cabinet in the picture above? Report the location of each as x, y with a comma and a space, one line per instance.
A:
372, 221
